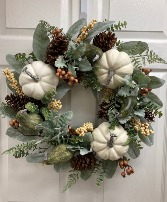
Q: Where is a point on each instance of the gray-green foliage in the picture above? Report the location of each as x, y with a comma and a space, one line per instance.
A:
75, 28
155, 82
35, 158
109, 167
14, 64
40, 42
62, 166
22, 150
72, 179
6, 110
61, 90
19, 135
140, 78
98, 27
133, 47
133, 150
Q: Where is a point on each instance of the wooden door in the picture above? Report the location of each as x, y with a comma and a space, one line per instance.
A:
23, 182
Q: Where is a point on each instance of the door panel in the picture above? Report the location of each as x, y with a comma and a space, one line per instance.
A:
21, 181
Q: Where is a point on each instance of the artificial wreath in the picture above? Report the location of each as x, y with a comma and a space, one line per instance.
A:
91, 56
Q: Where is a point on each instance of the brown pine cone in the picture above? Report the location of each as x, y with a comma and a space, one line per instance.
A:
105, 41
149, 116
58, 46
17, 102
103, 111
83, 162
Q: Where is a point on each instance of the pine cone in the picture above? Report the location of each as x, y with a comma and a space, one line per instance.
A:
18, 102
149, 116
105, 41
103, 112
58, 46
85, 162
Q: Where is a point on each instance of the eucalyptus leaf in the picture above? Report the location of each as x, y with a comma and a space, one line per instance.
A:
88, 137
75, 28
133, 47
140, 112
61, 90
133, 151
109, 167
98, 28
84, 65
85, 175
141, 79
78, 52
84, 151
40, 42
62, 166
35, 158
148, 140
155, 82
16, 134
16, 65
155, 99
6, 110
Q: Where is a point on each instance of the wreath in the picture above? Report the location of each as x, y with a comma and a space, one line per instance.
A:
91, 56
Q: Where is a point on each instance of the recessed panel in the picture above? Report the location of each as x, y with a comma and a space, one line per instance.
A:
27, 13
141, 15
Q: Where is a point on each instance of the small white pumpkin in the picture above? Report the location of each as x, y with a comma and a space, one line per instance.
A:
113, 66
109, 144
38, 78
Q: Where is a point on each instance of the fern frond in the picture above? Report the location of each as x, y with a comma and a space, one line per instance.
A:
72, 179
22, 150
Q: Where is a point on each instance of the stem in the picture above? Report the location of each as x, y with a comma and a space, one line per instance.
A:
35, 78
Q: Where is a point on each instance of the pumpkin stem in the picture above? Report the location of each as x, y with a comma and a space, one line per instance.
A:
110, 143
109, 77
35, 78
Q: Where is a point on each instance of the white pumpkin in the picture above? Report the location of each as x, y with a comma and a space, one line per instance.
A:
113, 66
109, 144
38, 78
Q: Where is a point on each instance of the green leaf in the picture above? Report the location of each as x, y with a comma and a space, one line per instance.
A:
84, 65
72, 179
75, 28
133, 47
61, 90
148, 140
141, 79
62, 166
155, 99
60, 62
16, 134
6, 110
127, 106
35, 158
109, 167
140, 112
88, 137
16, 65
124, 120
79, 51
155, 82
133, 150
85, 175
40, 42
99, 27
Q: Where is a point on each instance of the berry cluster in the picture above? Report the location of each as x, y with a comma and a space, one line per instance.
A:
84, 31
128, 170
146, 70
14, 123
144, 91
62, 74
142, 127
